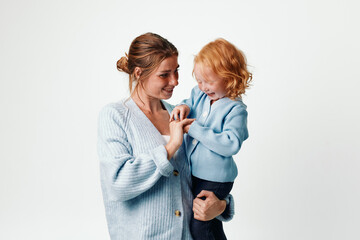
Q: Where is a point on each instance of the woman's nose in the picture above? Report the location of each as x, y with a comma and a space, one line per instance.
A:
174, 80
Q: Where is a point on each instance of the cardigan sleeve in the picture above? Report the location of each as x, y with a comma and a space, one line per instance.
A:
124, 175
229, 212
228, 142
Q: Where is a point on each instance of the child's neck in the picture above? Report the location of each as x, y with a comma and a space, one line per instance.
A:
212, 101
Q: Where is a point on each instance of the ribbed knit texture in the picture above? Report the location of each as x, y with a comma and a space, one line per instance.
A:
140, 191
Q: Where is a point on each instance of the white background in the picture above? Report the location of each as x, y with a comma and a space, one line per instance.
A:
298, 171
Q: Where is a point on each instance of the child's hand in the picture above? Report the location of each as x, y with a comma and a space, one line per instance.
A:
181, 111
187, 126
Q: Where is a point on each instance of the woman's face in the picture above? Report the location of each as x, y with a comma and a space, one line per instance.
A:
161, 83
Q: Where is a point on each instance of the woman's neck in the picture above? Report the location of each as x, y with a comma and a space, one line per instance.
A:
146, 103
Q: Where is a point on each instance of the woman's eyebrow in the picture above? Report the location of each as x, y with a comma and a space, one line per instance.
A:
169, 70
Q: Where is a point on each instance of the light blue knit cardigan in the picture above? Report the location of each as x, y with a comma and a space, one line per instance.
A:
145, 195
215, 136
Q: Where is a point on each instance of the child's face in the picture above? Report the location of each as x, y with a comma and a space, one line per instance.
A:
209, 82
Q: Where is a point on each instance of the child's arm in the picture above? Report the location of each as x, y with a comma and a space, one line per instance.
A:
228, 142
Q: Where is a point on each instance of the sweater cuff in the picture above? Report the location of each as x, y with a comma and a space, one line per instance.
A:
229, 212
164, 166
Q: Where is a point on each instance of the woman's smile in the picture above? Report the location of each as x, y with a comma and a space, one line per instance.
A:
168, 90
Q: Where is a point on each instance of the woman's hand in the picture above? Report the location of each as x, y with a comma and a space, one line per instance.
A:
176, 135
181, 111
208, 209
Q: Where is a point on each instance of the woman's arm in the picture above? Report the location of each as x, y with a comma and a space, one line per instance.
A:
123, 175
176, 135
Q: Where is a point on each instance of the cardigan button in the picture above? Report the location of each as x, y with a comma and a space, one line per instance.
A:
177, 213
194, 141
204, 114
176, 173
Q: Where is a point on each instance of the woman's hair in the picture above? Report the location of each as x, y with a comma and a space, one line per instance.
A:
227, 62
147, 51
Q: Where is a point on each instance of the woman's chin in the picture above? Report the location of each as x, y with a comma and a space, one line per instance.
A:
166, 97
166, 94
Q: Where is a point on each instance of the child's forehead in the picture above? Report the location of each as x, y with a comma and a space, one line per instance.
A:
205, 73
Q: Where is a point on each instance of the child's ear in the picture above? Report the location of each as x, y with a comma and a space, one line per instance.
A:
137, 72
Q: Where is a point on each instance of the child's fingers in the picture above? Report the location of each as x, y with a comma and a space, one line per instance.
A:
182, 114
191, 120
187, 111
174, 114
171, 117
187, 121
204, 193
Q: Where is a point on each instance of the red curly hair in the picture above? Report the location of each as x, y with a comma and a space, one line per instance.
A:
229, 63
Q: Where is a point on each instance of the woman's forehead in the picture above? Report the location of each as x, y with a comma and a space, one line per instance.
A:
168, 64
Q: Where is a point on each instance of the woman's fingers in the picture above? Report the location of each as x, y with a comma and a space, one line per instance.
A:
198, 205
198, 216
209, 208
198, 209
176, 132
205, 193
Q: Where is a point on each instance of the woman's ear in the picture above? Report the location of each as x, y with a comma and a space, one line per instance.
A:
137, 72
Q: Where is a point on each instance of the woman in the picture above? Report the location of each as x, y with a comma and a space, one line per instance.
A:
145, 175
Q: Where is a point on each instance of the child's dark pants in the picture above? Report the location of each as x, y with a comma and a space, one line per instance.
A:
213, 229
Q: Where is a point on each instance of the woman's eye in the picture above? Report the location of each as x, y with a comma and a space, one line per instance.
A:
164, 75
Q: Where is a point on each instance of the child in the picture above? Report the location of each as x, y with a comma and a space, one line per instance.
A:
220, 126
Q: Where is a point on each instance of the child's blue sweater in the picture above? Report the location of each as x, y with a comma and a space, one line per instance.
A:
215, 136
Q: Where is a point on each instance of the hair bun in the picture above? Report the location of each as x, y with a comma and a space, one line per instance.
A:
122, 65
